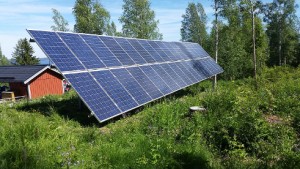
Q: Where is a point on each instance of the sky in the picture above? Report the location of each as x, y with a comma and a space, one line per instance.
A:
18, 15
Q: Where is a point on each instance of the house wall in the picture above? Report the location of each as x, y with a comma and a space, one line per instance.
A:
47, 83
19, 88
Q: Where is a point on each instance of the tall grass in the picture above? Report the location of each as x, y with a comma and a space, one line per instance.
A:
242, 128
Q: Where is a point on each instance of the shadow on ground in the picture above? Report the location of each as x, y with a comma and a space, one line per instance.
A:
190, 161
74, 109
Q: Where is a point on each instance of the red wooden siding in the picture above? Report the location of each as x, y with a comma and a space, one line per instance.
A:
47, 83
19, 88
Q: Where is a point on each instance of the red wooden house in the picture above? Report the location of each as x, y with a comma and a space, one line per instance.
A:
32, 81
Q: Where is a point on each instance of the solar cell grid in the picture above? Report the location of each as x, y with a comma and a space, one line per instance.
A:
168, 79
117, 50
161, 45
156, 79
177, 51
174, 75
181, 74
189, 66
57, 51
81, 50
132, 86
98, 101
101, 50
151, 51
115, 75
113, 87
132, 53
145, 82
187, 72
198, 66
142, 51
214, 68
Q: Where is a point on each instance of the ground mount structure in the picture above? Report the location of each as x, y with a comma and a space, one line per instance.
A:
113, 75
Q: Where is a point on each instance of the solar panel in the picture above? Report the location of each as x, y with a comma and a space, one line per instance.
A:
145, 82
113, 75
132, 86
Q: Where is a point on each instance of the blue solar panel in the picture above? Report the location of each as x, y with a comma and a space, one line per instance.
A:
151, 51
181, 74
145, 82
174, 75
167, 78
133, 54
141, 50
81, 50
198, 66
215, 69
196, 50
156, 79
132, 86
159, 50
57, 51
116, 91
171, 52
93, 95
187, 51
101, 50
187, 73
115, 75
161, 45
117, 50
189, 66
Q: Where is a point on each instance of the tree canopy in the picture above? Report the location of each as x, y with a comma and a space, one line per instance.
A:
282, 31
235, 46
139, 20
3, 59
193, 25
60, 23
24, 53
91, 17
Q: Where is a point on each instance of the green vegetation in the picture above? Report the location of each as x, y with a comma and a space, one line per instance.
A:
242, 128
91, 17
138, 20
193, 28
3, 59
24, 53
60, 23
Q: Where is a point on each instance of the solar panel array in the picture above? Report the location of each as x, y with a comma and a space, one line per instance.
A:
113, 75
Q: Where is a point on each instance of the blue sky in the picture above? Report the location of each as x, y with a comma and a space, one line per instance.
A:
18, 15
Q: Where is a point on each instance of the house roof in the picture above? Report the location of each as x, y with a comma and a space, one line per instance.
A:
21, 73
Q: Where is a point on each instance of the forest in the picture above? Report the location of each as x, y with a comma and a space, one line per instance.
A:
252, 117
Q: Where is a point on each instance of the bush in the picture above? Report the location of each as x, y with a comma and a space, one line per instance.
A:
242, 128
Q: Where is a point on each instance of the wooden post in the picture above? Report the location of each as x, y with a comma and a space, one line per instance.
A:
79, 103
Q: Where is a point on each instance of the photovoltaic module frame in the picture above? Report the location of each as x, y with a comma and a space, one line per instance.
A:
113, 75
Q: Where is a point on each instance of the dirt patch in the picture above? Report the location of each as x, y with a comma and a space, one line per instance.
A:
105, 130
273, 119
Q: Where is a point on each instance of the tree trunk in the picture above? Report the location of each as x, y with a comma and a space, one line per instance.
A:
254, 45
280, 43
216, 41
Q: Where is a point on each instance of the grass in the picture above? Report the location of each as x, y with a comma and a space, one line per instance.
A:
242, 128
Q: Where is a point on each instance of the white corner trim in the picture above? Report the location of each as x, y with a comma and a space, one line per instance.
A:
35, 75
62, 86
29, 91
